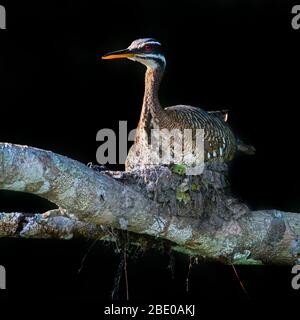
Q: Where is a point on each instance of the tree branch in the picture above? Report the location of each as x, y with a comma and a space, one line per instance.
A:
197, 214
49, 225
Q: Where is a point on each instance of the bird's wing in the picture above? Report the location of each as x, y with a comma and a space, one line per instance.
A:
194, 117
218, 138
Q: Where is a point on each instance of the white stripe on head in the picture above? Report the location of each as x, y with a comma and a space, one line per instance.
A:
137, 44
152, 56
151, 42
149, 60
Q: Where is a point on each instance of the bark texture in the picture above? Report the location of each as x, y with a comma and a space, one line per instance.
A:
196, 214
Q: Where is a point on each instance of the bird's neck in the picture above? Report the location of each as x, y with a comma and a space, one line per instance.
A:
151, 109
152, 82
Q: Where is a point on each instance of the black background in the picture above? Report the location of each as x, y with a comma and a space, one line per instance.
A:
56, 94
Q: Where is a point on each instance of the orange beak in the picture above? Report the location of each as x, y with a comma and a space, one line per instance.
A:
126, 53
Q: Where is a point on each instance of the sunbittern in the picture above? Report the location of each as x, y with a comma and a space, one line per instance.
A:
220, 144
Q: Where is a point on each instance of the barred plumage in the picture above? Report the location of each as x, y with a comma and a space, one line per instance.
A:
219, 141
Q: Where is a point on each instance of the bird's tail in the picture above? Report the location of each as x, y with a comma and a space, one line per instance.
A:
245, 148
222, 114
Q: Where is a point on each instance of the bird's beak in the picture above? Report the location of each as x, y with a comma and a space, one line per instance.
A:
126, 53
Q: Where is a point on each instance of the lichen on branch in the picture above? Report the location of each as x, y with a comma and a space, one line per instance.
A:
196, 214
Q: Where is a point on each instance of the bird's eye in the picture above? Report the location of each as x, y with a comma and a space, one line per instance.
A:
148, 48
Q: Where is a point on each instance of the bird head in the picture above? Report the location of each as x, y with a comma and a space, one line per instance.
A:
146, 51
